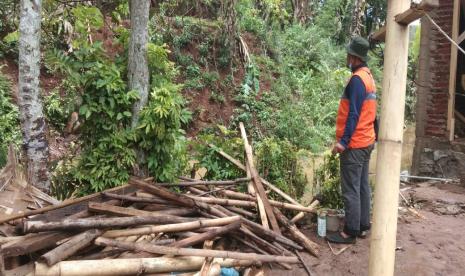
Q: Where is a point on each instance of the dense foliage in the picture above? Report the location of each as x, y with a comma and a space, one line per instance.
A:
282, 76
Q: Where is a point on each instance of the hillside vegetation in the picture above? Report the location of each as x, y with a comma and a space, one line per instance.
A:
271, 64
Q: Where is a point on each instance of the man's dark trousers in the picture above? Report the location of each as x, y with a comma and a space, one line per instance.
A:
356, 190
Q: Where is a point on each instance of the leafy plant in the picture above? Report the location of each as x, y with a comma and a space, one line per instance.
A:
9, 119
327, 182
277, 161
57, 109
220, 138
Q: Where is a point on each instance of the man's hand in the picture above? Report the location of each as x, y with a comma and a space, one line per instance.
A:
338, 148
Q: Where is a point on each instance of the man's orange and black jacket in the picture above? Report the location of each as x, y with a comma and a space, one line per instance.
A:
357, 110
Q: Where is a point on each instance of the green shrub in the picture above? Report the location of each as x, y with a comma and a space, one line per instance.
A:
327, 182
57, 108
277, 162
9, 120
218, 168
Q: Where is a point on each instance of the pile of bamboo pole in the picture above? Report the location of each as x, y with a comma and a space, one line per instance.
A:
146, 227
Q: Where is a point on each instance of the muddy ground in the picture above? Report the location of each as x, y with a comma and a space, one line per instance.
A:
433, 245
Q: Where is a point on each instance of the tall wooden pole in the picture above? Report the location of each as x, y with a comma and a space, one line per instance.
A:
383, 237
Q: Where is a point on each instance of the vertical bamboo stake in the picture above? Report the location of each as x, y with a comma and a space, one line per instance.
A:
383, 237
261, 207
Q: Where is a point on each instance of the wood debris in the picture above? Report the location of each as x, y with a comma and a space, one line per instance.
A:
146, 227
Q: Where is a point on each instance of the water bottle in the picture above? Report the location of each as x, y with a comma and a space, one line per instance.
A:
322, 224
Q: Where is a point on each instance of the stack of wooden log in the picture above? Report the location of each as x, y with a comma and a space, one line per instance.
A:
147, 228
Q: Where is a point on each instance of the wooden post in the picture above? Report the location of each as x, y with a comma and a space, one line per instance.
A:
383, 237
453, 71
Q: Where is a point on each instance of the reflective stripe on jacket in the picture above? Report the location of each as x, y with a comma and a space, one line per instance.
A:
364, 133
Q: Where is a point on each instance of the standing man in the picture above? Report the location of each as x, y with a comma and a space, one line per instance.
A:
356, 136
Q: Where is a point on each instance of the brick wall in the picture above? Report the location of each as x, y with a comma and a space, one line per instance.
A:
438, 82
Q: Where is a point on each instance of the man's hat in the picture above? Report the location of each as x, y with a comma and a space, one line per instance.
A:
359, 47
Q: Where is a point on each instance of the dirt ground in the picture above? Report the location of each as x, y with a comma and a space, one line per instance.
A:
433, 245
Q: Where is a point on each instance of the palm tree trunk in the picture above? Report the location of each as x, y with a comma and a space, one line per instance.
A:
357, 13
33, 123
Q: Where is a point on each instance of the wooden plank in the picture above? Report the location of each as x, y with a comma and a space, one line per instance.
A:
257, 182
453, 71
416, 11
379, 35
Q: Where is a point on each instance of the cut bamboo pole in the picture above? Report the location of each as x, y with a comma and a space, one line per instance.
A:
300, 215
231, 208
258, 184
261, 206
207, 235
122, 211
70, 247
383, 237
157, 249
250, 187
179, 227
116, 267
264, 181
63, 204
90, 223
208, 261
224, 201
243, 203
202, 182
298, 236
135, 198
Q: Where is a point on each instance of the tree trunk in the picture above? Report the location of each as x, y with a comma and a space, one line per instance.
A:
356, 22
138, 70
301, 11
228, 13
33, 125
